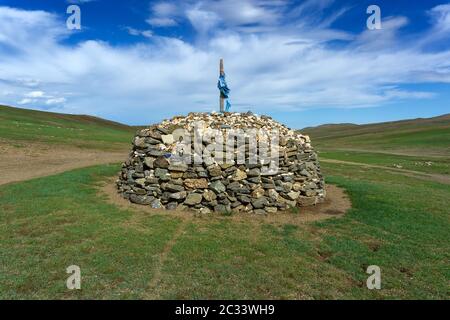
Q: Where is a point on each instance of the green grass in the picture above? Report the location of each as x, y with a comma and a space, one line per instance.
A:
21, 125
422, 164
398, 223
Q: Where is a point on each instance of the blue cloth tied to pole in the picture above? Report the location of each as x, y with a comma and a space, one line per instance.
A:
224, 90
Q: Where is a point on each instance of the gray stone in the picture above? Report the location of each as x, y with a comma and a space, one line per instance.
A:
140, 143
148, 161
209, 195
310, 185
156, 204
260, 211
222, 209
173, 187
259, 203
171, 206
161, 173
214, 170
178, 195
193, 198
150, 140
305, 173
141, 199
155, 152
161, 162
244, 199
181, 167
271, 209
234, 186
217, 187
254, 172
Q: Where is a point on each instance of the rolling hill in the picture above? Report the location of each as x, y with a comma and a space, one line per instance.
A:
23, 125
430, 136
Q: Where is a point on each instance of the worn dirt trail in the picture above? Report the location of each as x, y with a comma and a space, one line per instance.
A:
441, 178
33, 160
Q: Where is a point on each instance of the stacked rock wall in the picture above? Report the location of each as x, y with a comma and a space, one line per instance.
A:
162, 170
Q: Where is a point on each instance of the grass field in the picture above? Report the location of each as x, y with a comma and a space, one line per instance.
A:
22, 125
399, 222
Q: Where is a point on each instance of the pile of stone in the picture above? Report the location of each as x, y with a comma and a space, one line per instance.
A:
156, 175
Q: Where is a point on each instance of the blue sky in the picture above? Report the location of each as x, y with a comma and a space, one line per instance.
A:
303, 62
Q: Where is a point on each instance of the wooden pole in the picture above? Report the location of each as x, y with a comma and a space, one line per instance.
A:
221, 98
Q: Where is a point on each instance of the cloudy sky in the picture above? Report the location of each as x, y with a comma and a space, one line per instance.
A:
303, 62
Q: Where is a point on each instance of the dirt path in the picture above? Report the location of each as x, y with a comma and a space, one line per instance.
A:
156, 279
32, 160
438, 154
441, 178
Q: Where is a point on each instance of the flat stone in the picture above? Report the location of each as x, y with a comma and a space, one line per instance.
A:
167, 138
209, 195
155, 152
272, 194
193, 199
239, 175
178, 195
150, 140
140, 143
257, 193
214, 170
297, 186
310, 185
271, 209
151, 180
171, 206
161, 173
181, 167
174, 187
201, 183
223, 209
217, 187
254, 180
254, 172
260, 203
305, 173
259, 211
140, 181
204, 210
141, 199
148, 161
176, 174
161, 162
234, 186
154, 134
244, 199
156, 204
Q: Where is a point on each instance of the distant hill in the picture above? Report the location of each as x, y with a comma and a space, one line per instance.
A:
430, 135
24, 125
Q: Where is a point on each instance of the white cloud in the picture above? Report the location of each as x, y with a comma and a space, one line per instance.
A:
161, 22
25, 101
35, 94
136, 32
273, 67
53, 101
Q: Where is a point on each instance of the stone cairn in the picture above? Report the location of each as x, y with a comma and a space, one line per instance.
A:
152, 176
